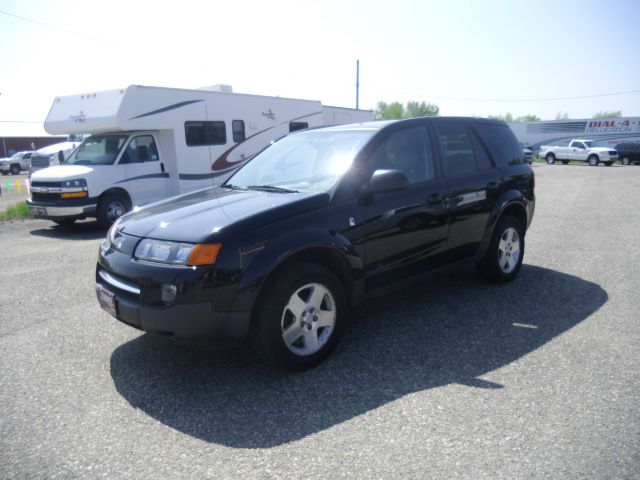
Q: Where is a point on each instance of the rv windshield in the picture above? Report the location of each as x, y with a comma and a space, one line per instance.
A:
311, 161
97, 150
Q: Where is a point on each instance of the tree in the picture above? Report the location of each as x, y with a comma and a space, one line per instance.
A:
388, 111
421, 109
611, 114
507, 118
528, 118
396, 110
562, 116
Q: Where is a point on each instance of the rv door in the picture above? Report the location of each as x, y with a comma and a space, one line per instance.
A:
146, 178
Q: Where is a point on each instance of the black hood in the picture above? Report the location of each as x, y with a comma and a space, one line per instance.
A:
216, 214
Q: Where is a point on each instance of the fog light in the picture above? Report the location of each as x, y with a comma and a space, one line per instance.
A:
168, 294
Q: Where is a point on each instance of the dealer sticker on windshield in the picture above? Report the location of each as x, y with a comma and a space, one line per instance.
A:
107, 299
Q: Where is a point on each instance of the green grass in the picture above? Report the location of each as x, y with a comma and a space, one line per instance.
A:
15, 212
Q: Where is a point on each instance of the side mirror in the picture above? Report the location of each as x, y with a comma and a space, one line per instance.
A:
383, 181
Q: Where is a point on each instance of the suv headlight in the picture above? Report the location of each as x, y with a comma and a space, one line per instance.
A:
177, 253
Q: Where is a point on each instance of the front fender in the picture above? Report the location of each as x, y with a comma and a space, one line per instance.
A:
318, 243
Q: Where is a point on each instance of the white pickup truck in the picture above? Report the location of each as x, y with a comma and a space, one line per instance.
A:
579, 150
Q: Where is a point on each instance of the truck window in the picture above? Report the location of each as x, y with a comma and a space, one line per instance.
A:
237, 127
205, 133
578, 145
501, 141
140, 149
294, 126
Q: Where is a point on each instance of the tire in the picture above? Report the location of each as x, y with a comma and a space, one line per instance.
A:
550, 158
5, 173
593, 160
66, 222
625, 161
608, 164
299, 317
565, 162
503, 259
15, 169
111, 207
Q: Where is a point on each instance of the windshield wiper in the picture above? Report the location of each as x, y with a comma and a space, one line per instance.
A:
231, 186
271, 188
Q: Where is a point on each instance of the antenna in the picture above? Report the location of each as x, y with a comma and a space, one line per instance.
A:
357, 84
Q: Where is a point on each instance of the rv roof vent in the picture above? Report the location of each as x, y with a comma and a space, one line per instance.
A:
218, 88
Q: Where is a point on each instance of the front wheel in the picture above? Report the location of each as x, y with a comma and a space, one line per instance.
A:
503, 259
593, 160
15, 169
110, 208
550, 158
299, 317
625, 161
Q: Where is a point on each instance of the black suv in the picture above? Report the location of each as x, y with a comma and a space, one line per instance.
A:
315, 224
628, 152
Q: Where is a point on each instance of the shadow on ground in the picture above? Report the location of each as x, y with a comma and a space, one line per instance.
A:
84, 230
450, 329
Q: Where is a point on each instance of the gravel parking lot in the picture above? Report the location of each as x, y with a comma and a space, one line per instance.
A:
450, 378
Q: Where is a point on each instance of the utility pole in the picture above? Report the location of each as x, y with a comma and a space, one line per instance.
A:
357, 84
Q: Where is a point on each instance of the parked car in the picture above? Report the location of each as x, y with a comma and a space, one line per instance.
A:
628, 152
55, 154
17, 162
581, 150
315, 224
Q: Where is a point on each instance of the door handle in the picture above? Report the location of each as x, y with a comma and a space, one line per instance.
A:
434, 199
492, 185
162, 167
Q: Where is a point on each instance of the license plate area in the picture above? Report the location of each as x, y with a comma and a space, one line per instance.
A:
107, 300
40, 210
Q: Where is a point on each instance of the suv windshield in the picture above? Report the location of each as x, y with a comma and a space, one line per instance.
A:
97, 150
311, 161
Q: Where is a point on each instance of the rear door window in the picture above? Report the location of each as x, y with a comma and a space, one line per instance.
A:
456, 149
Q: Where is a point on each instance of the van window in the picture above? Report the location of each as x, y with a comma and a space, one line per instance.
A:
456, 149
502, 143
293, 126
237, 126
205, 133
140, 149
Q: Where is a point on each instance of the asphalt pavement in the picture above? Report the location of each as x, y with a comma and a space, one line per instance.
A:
450, 378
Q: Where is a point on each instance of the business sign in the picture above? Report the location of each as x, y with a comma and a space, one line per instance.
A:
613, 125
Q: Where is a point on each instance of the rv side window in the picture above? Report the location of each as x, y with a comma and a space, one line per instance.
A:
205, 133
293, 126
238, 131
140, 149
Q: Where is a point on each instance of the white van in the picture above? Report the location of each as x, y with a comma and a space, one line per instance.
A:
149, 143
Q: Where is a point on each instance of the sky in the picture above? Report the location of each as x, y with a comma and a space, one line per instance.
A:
469, 57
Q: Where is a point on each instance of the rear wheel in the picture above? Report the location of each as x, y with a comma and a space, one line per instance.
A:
593, 160
111, 207
608, 164
625, 161
15, 169
503, 259
550, 158
299, 317
565, 162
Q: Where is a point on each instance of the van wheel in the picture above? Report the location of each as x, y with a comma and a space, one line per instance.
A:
299, 317
503, 259
550, 158
593, 160
111, 207
625, 161
15, 169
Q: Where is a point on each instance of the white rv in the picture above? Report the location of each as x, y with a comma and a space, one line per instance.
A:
149, 143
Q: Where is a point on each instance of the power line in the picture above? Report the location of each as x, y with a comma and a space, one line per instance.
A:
48, 25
